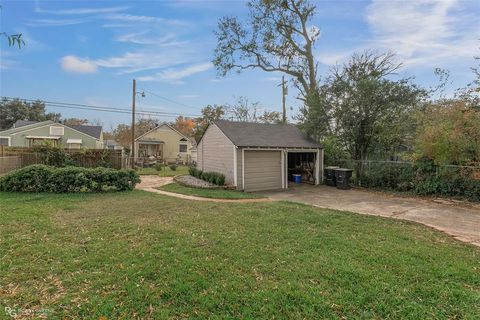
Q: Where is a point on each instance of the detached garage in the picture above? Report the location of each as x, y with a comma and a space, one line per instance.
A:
257, 156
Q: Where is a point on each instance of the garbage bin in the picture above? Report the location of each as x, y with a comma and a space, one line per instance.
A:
297, 178
343, 176
329, 173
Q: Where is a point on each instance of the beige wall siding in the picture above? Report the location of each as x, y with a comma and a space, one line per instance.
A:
171, 146
215, 153
263, 170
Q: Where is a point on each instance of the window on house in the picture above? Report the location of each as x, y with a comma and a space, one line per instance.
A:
183, 148
56, 131
4, 141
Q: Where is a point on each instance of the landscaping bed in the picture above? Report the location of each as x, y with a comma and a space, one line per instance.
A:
215, 192
193, 182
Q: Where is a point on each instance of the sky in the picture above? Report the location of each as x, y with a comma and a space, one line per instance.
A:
88, 52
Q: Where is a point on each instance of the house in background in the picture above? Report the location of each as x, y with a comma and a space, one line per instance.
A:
112, 145
163, 143
31, 133
257, 156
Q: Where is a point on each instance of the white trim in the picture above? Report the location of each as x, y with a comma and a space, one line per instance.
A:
235, 169
74, 141
323, 165
243, 168
9, 139
87, 135
286, 170
43, 137
282, 166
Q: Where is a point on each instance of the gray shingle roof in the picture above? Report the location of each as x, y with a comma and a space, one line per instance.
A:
248, 134
94, 131
22, 123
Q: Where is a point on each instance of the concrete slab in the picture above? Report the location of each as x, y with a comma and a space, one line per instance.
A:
461, 220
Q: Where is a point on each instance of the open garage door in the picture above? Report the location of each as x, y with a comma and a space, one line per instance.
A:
263, 170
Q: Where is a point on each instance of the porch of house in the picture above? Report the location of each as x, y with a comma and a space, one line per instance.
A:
149, 151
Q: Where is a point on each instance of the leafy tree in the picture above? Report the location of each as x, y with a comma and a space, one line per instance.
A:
16, 109
277, 37
209, 114
185, 125
363, 107
246, 111
13, 39
450, 133
123, 132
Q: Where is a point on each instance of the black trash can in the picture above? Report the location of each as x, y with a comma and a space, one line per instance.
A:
329, 173
343, 176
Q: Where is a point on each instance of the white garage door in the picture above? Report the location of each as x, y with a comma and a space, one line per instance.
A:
263, 170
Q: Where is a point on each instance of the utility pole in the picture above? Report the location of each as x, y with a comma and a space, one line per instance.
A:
134, 93
284, 93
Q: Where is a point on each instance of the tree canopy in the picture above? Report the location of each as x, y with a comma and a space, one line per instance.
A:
277, 37
13, 110
361, 105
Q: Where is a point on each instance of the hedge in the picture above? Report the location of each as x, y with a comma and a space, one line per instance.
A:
212, 177
42, 178
423, 178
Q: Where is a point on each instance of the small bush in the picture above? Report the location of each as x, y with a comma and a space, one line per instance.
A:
42, 178
173, 167
158, 166
194, 172
212, 177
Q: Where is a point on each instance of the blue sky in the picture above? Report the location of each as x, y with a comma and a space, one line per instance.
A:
89, 51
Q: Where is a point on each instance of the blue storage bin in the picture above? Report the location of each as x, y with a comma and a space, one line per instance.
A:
297, 178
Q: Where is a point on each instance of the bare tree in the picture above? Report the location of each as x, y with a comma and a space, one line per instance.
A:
277, 37
246, 111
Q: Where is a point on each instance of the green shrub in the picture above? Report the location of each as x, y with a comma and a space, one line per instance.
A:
173, 167
194, 172
423, 178
158, 166
212, 177
42, 178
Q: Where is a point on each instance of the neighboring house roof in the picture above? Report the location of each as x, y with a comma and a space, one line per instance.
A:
158, 127
21, 123
248, 134
32, 124
94, 131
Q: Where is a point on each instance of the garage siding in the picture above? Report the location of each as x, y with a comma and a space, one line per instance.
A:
263, 170
215, 153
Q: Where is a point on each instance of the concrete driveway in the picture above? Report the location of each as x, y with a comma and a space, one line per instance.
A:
459, 219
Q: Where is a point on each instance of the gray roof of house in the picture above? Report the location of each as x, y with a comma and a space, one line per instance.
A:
94, 131
248, 134
22, 123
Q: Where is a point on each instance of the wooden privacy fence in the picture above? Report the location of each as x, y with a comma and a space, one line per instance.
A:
12, 158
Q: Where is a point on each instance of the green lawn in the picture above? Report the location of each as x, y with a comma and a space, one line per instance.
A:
209, 193
165, 172
139, 255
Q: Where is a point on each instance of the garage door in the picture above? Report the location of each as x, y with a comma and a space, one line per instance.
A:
263, 170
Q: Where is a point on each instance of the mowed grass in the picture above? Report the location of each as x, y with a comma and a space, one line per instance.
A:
141, 255
165, 172
209, 193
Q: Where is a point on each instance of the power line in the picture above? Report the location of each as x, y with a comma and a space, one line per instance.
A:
170, 100
80, 106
